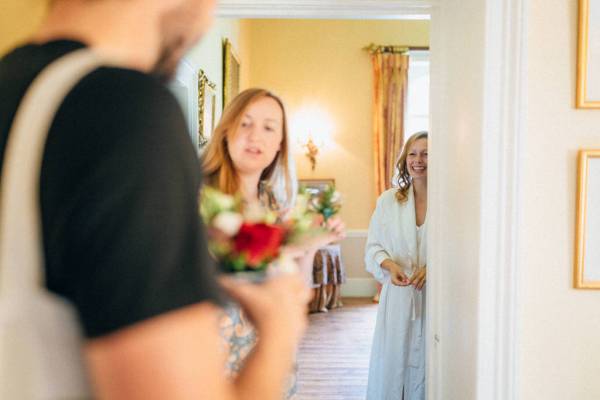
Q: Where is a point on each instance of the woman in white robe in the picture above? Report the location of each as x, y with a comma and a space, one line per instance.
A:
396, 256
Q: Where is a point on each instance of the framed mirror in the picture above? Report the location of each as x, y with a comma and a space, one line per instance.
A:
316, 186
588, 55
231, 72
207, 96
587, 244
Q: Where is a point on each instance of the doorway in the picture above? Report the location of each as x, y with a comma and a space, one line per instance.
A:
324, 75
477, 94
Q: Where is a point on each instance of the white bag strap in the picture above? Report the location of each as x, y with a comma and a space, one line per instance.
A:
21, 246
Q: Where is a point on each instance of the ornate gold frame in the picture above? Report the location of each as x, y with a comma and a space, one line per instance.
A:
582, 189
231, 73
206, 97
582, 57
316, 186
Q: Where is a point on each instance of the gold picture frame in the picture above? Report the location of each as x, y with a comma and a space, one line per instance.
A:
207, 96
587, 251
316, 186
588, 55
231, 72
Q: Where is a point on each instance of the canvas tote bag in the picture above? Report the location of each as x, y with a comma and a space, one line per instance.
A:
40, 337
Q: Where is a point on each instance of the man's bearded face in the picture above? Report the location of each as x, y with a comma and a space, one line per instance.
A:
180, 29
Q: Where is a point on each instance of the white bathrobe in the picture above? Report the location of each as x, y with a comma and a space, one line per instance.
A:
398, 352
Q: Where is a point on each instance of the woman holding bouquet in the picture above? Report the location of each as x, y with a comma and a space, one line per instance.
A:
396, 256
248, 155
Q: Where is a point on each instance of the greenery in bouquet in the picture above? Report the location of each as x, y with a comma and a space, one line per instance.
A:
247, 237
301, 220
327, 203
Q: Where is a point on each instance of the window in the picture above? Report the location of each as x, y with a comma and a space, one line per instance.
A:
417, 108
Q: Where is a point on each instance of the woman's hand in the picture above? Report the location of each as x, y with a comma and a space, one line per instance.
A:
303, 252
397, 275
335, 231
336, 228
419, 277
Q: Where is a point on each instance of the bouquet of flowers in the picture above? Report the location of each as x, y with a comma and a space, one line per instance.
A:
249, 237
327, 203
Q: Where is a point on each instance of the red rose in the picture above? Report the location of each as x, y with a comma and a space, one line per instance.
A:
258, 242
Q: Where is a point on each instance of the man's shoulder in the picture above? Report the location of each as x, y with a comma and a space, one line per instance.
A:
126, 87
124, 101
121, 114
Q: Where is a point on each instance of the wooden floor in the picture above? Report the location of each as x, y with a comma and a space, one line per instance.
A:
333, 361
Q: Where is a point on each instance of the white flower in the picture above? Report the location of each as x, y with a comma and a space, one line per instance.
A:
336, 197
228, 222
315, 202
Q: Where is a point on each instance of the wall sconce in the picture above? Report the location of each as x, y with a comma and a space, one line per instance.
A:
312, 126
312, 150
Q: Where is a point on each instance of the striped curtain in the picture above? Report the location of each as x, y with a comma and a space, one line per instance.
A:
390, 73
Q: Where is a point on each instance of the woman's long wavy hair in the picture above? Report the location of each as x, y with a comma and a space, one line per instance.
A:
218, 167
404, 179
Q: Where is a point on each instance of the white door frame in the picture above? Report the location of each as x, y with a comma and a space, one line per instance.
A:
498, 133
320, 9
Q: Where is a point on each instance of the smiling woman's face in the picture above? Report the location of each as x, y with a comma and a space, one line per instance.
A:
416, 160
256, 141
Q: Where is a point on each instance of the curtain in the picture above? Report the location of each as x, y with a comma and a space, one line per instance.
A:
390, 72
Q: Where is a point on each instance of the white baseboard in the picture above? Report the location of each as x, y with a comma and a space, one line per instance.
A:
357, 233
359, 287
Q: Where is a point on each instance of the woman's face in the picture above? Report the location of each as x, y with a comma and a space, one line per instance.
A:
255, 143
416, 160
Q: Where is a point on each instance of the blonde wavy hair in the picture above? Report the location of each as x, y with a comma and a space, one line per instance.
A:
218, 167
404, 179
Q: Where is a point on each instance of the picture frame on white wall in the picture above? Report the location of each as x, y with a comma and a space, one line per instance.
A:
207, 97
315, 187
587, 251
588, 55
231, 72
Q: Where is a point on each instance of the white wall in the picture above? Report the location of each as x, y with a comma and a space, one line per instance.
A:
454, 209
559, 326
207, 54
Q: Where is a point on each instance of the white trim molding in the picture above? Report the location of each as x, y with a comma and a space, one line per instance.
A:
478, 100
357, 233
334, 9
501, 199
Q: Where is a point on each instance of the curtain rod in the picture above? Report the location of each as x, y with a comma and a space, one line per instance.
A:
373, 48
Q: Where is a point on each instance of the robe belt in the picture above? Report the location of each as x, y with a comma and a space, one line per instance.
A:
416, 300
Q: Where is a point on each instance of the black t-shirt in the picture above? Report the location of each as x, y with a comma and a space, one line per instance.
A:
122, 236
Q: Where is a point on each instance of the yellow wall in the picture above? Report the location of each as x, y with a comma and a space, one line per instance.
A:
319, 63
559, 327
18, 20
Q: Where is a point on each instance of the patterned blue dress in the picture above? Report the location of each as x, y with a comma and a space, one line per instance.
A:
239, 336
